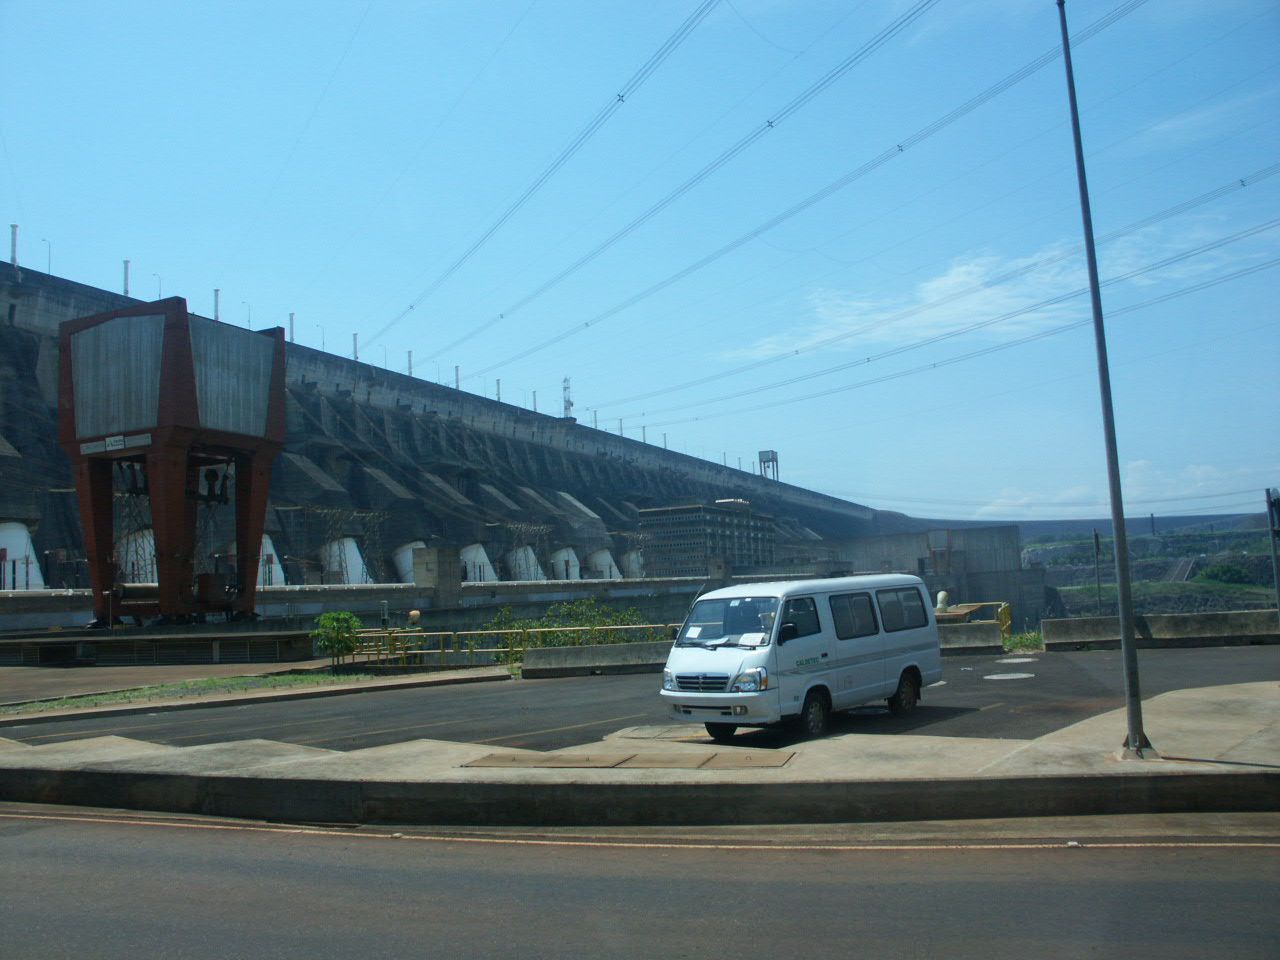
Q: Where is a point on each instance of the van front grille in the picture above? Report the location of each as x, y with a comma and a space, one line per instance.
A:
702, 682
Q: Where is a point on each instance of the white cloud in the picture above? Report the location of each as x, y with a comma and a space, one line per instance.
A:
994, 299
1146, 480
1210, 122
1015, 504
968, 293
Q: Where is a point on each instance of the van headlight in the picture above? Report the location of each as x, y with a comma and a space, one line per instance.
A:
750, 681
668, 680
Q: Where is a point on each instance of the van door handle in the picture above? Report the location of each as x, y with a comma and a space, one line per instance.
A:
824, 654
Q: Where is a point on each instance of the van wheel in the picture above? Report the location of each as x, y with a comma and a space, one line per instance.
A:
907, 695
721, 731
814, 715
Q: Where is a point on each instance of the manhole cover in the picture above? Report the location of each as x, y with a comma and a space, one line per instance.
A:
1008, 676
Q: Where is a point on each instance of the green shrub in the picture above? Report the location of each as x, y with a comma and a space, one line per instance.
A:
335, 634
588, 612
1225, 573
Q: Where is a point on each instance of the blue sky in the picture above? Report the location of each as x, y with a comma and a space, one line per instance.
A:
874, 270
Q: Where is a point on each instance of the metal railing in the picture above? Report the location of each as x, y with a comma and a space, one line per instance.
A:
479, 647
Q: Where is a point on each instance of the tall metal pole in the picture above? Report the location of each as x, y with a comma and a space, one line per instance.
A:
1273, 521
1136, 743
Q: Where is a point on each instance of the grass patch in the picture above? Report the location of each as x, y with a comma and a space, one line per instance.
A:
186, 688
1020, 642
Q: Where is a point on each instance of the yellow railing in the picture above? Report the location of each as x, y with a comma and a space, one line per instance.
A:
421, 647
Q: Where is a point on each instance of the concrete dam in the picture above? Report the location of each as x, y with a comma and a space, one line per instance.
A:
377, 464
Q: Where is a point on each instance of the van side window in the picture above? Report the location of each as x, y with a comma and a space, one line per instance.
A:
803, 612
901, 609
854, 615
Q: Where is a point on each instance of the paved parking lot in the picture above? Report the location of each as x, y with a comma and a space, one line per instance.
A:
1010, 697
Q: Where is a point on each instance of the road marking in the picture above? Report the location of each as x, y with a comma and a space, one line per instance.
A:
347, 833
575, 726
1008, 676
1018, 660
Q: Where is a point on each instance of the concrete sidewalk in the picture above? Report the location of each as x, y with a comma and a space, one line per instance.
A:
1219, 748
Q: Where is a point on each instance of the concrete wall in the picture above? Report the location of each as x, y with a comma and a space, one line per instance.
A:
386, 459
1170, 630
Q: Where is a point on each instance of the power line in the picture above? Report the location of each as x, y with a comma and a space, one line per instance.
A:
1194, 288
390, 188
271, 191
1236, 184
982, 324
825, 193
757, 133
615, 103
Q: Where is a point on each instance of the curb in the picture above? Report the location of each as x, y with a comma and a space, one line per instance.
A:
629, 804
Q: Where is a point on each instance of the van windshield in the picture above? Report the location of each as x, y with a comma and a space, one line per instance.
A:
731, 622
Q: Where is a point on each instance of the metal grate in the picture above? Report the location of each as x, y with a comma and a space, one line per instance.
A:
702, 682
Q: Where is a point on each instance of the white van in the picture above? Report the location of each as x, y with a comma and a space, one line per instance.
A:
762, 653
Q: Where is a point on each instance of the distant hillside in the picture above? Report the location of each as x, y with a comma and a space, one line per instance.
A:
1048, 530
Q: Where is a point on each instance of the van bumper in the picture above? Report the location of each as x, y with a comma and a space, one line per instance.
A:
744, 709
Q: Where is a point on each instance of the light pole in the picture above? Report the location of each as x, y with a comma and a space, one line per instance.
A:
1136, 745
321, 329
248, 315
49, 258
159, 287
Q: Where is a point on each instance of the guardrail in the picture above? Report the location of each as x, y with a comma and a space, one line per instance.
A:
449, 648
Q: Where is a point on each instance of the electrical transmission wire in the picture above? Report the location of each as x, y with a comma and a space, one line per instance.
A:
340, 248
825, 193
984, 351
647, 69
272, 191
983, 324
1239, 183
756, 134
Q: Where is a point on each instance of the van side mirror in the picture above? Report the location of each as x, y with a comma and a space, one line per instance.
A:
788, 631
673, 633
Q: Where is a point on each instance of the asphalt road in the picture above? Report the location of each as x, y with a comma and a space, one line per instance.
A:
1011, 697
105, 886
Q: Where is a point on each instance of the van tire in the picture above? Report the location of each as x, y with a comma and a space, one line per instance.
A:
815, 715
907, 695
721, 731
